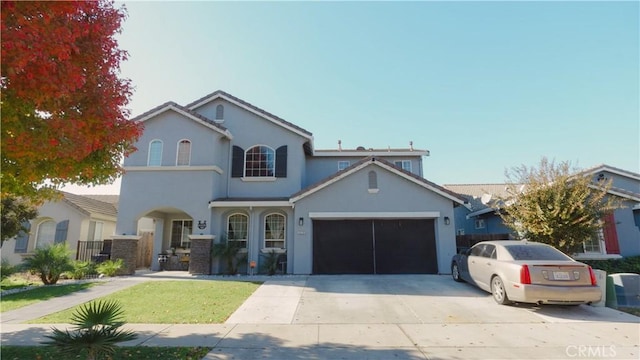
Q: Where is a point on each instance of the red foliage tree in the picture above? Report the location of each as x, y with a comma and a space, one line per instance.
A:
63, 115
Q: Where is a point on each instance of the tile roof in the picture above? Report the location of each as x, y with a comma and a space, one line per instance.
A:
89, 205
219, 93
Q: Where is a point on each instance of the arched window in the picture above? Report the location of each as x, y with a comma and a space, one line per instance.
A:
373, 180
238, 229
219, 112
259, 162
274, 231
155, 153
184, 153
46, 233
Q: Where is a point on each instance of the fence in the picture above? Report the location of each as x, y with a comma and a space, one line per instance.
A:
93, 250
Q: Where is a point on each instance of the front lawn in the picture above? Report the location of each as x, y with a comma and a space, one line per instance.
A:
174, 302
122, 353
40, 293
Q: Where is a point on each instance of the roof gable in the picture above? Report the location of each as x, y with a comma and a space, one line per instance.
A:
186, 112
382, 164
611, 169
219, 94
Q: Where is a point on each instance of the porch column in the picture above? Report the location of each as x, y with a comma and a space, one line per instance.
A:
200, 258
125, 247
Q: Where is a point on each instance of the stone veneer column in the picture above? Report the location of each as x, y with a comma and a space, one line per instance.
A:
200, 259
125, 247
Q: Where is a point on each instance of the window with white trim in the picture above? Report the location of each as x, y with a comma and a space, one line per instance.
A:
595, 244
184, 153
155, 153
343, 165
260, 161
95, 231
238, 229
46, 233
274, 231
403, 164
180, 231
479, 224
373, 180
219, 113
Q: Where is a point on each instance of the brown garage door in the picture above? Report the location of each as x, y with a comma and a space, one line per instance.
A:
398, 246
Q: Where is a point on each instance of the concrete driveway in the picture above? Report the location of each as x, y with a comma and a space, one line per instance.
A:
416, 317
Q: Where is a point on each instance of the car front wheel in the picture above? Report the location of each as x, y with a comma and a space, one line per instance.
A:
499, 292
455, 272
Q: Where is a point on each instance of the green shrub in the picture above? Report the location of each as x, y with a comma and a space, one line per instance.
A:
270, 264
49, 262
6, 269
614, 266
110, 267
97, 331
82, 269
229, 252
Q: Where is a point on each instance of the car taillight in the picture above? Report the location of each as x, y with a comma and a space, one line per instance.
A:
592, 274
525, 275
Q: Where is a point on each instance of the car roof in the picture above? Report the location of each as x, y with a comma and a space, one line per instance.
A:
512, 242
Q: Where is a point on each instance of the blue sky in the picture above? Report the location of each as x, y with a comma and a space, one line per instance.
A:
485, 86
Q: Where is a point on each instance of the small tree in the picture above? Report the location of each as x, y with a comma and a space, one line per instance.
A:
49, 262
97, 330
15, 213
555, 205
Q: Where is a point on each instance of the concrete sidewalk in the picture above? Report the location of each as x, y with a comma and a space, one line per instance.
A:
360, 317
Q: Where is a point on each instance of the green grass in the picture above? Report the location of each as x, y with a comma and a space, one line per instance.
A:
17, 281
173, 302
122, 353
41, 293
630, 310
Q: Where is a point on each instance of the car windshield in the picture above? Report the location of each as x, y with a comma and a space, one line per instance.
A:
535, 252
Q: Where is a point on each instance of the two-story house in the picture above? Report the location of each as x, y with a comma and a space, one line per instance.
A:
221, 166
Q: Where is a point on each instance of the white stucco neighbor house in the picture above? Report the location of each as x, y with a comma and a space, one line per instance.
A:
221, 166
71, 219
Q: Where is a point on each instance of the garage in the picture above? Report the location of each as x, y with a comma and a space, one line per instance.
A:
374, 246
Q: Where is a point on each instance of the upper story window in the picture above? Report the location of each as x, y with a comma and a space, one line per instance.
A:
274, 234
403, 164
155, 153
219, 113
479, 224
343, 165
238, 229
373, 180
184, 153
259, 162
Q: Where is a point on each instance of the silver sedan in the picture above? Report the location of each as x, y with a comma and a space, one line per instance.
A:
524, 271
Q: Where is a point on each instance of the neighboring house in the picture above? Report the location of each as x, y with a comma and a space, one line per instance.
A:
221, 166
69, 220
620, 235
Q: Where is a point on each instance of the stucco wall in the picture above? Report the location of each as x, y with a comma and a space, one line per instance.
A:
351, 195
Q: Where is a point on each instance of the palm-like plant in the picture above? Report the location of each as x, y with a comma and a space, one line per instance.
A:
229, 251
97, 330
49, 261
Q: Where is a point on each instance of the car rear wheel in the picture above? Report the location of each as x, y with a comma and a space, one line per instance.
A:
455, 272
499, 292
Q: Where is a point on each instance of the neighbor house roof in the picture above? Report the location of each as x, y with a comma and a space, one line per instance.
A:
89, 205
473, 193
219, 94
384, 164
611, 169
170, 105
